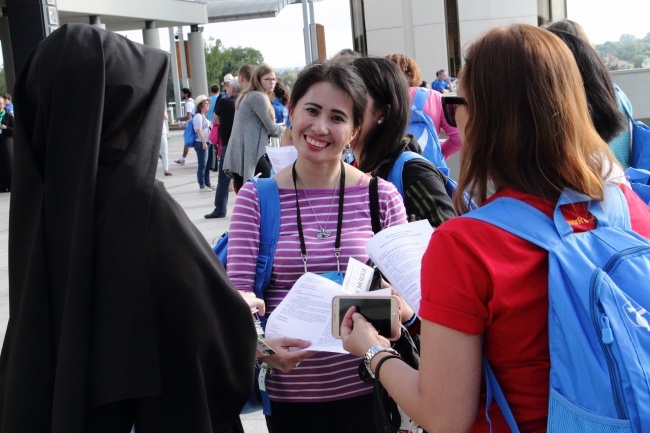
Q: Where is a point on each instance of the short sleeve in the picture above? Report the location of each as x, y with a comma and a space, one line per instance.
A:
392, 210
197, 122
455, 283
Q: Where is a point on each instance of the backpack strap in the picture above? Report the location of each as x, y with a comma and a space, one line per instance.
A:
623, 103
373, 191
493, 390
396, 171
420, 98
268, 196
510, 214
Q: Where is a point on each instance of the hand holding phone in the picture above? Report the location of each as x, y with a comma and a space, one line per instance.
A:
381, 311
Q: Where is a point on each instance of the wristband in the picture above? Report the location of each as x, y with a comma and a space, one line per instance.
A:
375, 350
410, 321
381, 362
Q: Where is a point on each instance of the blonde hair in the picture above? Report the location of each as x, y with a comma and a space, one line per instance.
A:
256, 86
528, 126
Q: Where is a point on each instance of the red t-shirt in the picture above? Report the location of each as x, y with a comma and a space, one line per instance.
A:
479, 279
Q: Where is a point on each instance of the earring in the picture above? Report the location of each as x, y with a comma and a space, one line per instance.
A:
380, 121
347, 154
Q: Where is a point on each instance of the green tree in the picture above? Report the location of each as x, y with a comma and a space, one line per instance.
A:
3, 81
289, 74
220, 60
627, 49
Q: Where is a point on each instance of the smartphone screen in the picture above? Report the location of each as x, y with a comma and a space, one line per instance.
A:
381, 312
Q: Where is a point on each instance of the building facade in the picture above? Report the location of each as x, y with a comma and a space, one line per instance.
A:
434, 32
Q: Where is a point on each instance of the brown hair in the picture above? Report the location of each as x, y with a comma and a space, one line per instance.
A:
281, 93
256, 86
409, 67
570, 27
245, 71
528, 126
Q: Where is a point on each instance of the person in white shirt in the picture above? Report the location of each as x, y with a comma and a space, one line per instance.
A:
190, 110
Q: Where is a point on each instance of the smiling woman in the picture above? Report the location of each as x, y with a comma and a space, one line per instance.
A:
317, 234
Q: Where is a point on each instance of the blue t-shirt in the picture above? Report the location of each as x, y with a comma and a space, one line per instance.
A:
440, 85
281, 112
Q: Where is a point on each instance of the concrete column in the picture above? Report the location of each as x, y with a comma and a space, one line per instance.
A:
181, 51
151, 35
95, 21
175, 79
306, 32
197, 62
312, 32
407, 27
7, 54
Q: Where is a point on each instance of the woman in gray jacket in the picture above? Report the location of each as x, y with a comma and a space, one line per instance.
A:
254, 122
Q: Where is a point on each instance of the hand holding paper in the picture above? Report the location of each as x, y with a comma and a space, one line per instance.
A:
397, 251
306, 313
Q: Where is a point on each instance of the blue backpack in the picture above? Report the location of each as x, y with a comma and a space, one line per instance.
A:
396, 172
599, 324
268, 197
190, 136
422, 128
640, 136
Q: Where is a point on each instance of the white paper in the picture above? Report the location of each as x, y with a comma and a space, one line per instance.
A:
306, 313
358, 277
397, 251
281, 157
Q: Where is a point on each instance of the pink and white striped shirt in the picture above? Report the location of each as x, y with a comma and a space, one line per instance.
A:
325, 376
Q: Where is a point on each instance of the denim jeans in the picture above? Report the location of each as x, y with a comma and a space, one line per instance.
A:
221, 194
204, 158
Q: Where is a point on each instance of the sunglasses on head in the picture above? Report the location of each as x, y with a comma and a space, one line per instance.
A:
449, 106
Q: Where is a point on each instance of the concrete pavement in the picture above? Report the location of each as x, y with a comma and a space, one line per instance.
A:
183, 186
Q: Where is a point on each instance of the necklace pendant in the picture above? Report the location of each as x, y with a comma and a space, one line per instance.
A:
323, 234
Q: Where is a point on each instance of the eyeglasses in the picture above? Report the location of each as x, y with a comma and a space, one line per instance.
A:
449, 106
270, 79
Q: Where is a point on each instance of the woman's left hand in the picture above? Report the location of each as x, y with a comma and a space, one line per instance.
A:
205, 146
405, 310
358, 334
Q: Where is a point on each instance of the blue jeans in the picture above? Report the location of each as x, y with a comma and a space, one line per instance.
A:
205, 159
221, 194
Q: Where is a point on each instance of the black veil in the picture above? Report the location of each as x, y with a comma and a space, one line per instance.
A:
114, 294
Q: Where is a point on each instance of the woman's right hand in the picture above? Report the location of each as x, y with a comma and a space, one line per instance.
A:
284, 358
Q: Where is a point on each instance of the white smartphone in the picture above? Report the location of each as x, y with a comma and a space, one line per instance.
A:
381, 311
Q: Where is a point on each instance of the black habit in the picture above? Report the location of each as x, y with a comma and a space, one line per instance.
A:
120, 313
6, 151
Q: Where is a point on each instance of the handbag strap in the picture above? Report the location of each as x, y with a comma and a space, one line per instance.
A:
386, 415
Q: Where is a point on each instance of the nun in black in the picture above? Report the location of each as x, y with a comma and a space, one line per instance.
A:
6, 146
120, 313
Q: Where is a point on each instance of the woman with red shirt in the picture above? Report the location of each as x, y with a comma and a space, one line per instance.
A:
525, 125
